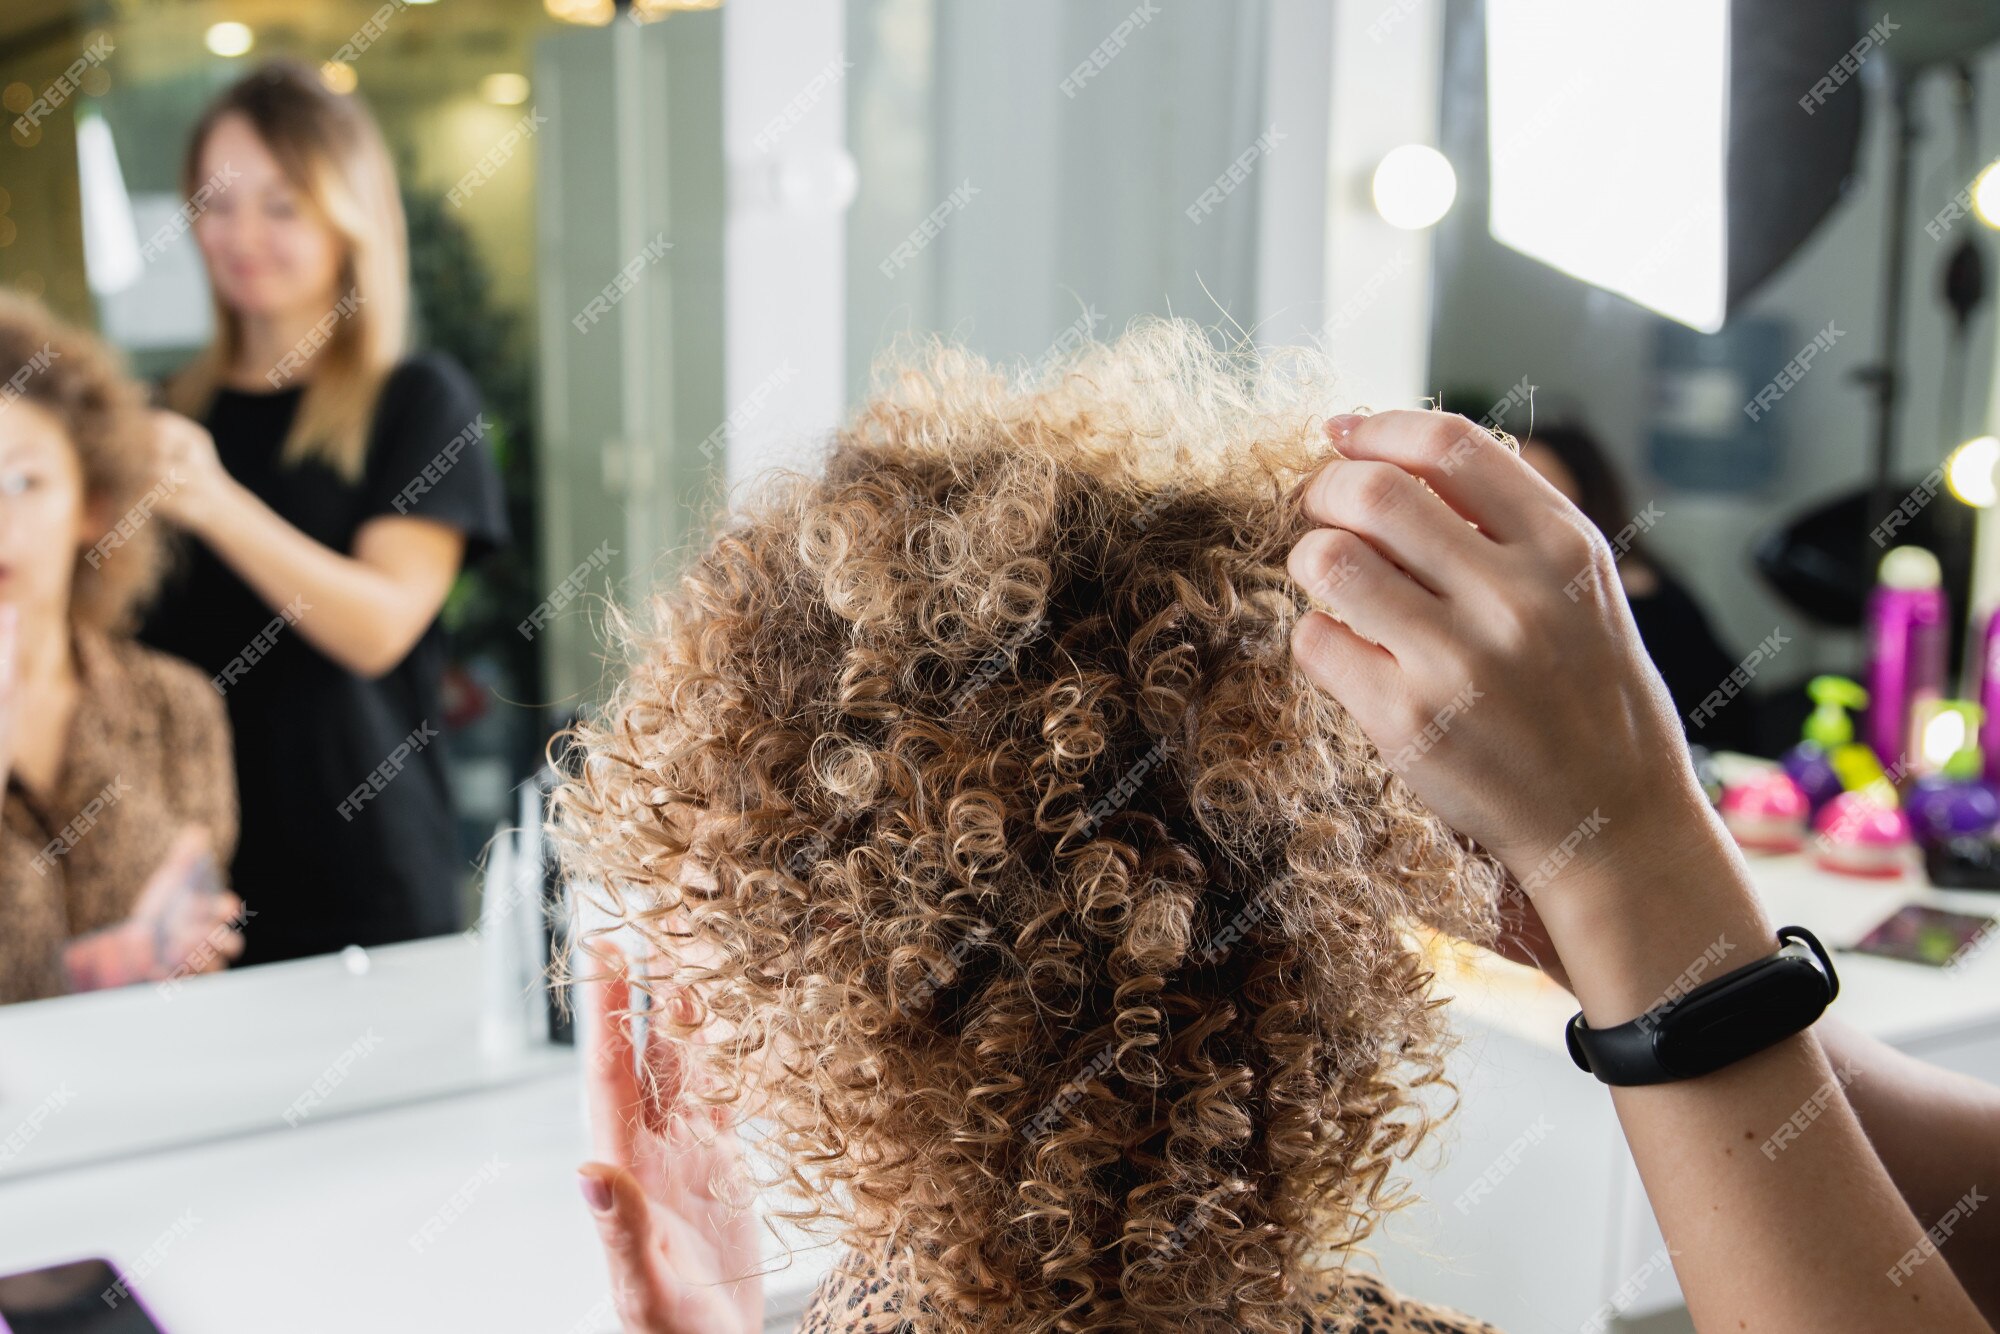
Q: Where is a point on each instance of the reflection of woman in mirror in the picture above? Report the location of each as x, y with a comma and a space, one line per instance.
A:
334, 486
115, 758
1671, 623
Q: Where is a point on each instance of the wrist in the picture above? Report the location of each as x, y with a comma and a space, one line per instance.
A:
213, 505
1627, 850
1668, 909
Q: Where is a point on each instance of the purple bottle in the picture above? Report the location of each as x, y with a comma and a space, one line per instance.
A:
1942, 808
1906, 650
1989, 699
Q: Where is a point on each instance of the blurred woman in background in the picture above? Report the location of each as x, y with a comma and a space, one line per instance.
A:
119, 798
334, 486
1671, 623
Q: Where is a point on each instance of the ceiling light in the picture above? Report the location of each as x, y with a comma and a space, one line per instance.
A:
230, 39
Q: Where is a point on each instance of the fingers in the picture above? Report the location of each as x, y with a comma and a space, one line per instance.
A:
214, 939
1347, 575
176, 442
1475, 474
168, 438
1402, 518
188, 849
1363, 677
705, 1162
667, 1276
625, 1230
611, 1081
223, 947
227, 937
172, 882
1339, 661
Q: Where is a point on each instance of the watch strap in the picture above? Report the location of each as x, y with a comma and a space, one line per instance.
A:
1715, 1024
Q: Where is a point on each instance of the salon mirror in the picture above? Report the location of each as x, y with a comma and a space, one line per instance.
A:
667, 245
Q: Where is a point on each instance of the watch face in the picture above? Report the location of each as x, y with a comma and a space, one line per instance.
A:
1747, 1012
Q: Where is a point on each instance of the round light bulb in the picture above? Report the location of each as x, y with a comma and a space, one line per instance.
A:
504, 89
230, 38
1969, 471
338, 76
591, 13
1414, 186
1944, 736
1986, 195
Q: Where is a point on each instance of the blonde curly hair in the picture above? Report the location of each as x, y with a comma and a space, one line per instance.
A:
1052, 920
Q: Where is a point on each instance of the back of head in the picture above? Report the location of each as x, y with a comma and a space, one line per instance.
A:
1056, 922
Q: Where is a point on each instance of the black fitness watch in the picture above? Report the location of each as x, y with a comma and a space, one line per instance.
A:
1717, 1023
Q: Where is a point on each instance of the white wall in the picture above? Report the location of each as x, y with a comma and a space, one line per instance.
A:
1078, 210
790, 180
1376, 323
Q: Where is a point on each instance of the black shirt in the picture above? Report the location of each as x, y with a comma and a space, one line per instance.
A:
347, 831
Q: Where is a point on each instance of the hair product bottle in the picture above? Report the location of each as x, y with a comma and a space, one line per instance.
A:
1906, 650
1989, 697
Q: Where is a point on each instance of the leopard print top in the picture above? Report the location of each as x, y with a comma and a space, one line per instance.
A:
148, 752
854, 1300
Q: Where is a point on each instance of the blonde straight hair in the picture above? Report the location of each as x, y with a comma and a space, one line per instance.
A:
330, 148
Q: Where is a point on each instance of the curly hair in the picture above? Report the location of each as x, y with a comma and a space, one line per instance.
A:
1057, 923
82, 383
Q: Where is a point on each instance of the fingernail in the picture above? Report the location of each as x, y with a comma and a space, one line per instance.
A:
596, 1192
1339, 427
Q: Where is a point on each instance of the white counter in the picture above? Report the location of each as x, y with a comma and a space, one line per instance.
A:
139, 1068
459, 1213
311, 1120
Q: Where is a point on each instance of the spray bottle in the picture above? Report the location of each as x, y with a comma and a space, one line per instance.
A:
1906, 649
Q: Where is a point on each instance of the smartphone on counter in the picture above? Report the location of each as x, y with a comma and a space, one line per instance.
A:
1920, 934
81, 1297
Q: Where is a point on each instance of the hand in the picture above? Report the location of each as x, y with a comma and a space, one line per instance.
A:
682, 1245
1480, 638
191, 922
184, 457
181, 923
1496, 665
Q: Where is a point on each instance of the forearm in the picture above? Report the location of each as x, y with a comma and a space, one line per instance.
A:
1798, 1235
356, 615
1938, 1135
